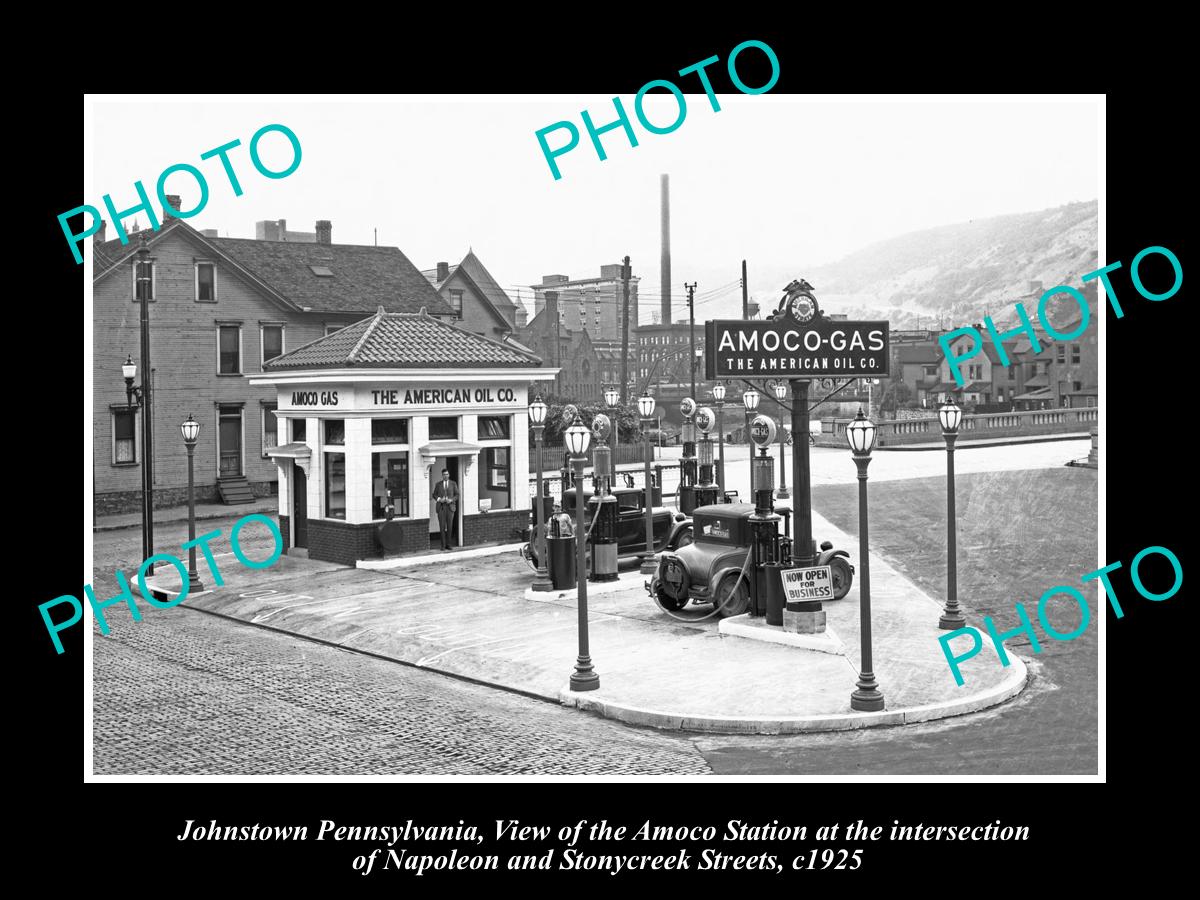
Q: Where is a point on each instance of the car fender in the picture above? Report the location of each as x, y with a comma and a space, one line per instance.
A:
825, 556
721, 573
678, 528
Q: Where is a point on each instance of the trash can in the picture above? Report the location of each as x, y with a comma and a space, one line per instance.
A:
561, 553
775, 597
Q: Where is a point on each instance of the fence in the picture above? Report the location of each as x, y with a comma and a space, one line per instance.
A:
555, 457
664, 473
1010, 424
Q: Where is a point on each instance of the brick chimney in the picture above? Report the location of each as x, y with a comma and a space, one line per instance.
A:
443, 272
173, 203
324, 231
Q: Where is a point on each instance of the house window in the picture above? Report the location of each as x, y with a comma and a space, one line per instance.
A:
335, 431
143, 280
498, 464
456, 303
493, 428
443, 428
229, 349
124, 440
335, 485
270, 428
299, 430
272, 342
206, 282
1077, 385
330, 329
389, 483
1091, 401
1061, 353
1012, 373
389, 431
1075, 349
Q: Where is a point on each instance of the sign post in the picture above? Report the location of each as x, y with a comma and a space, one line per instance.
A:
798, 342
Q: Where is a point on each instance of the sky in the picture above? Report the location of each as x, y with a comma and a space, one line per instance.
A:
773, 179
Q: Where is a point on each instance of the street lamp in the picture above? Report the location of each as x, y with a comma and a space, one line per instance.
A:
952, 617
861, 435
646, 411
612, 397
191, 431
781, 389
750, 401
577, 438
718, 394
137, 398
537, 421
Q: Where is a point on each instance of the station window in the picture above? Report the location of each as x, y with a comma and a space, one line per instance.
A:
443, 428
335, 431
335, 485
299, 430
499, 466
492, 428
389, 431
389, 472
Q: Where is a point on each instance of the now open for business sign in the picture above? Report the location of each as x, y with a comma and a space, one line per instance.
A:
784, 346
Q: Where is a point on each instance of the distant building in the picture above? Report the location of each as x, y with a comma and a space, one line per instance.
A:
481, 305
569, 351
276, 230
594, 305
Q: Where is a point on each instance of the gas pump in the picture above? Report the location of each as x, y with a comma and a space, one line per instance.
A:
687, 464
764, 524
602, 506
707, 490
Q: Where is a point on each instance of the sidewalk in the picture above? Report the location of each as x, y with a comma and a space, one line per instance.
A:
469, 618
268, 505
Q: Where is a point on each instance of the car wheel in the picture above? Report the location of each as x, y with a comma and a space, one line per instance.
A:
685, 538
843, 576
731, 601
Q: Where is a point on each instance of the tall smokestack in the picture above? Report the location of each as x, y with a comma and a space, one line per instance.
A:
665, 270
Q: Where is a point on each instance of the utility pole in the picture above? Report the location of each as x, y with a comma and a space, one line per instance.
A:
625, 335
691, 289
144, 288
745, 296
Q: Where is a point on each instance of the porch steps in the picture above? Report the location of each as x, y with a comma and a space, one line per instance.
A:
235, 490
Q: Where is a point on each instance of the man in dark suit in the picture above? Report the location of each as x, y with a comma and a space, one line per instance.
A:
445, 496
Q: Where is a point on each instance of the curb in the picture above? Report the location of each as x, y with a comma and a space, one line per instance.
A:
998, 442
199, 517
1012, 685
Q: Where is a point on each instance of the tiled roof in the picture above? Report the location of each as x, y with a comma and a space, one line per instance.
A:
402, 341
363, 279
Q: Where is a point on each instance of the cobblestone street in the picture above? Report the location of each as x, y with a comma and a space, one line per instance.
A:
187, 693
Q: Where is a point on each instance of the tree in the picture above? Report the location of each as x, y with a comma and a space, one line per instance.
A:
624, 418
894, 396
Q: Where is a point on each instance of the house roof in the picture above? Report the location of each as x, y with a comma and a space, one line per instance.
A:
1043, 394
402, 341
361, 280
1042, 380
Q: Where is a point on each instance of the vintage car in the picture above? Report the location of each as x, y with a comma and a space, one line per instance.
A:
671, 529
710, 569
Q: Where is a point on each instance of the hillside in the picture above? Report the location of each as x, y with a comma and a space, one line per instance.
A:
959, 272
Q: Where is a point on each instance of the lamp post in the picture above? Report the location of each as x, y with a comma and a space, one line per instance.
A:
612, 398
952, 617
537, 420
861, 435
718, 394
584, 678
780, 390
646, 411
750, 401
137, 397
191, 431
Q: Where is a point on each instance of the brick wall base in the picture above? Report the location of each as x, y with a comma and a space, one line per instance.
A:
501, 526
165, 498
